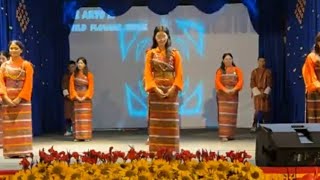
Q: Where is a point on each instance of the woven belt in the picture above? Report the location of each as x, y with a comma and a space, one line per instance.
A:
166, 75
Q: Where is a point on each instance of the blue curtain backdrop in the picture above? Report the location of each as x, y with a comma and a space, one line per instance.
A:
302, 27
47, 45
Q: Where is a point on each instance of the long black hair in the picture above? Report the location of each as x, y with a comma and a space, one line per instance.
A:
85, 70
222, 66
316, 46
18, 43
5, 54
168, 43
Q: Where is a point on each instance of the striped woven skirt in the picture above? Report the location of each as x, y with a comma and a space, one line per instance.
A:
227, 114
313, 107
164, 126
17, 130
83, 120
1, 130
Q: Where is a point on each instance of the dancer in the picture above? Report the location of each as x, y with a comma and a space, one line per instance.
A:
311, 76
16, 76
4, 56
68, 103
261, 83
228, 82
163, 80
81, 92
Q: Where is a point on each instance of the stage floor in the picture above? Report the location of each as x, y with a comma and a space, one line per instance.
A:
121, 140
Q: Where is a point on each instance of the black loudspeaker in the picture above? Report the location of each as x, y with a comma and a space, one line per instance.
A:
288, 145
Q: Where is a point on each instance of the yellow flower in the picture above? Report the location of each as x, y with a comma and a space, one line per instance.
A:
58, 169
107, 169
234, 177
255, 173
126, 165
213, 175
246, 167
184, 175
164, 172
223, 166
212, 165
144, 175
129, 172
200, 169
141, 165
236, 166
18, 175
73, 174
31, 174
157, 164
42, 169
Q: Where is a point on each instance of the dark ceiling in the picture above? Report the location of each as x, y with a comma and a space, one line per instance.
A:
94, 3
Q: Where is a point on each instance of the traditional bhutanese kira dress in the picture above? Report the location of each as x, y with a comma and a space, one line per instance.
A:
311, 76
17, 77
228, 103
164, 125
82, 86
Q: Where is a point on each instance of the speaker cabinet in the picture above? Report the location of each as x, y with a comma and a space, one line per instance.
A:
288, 145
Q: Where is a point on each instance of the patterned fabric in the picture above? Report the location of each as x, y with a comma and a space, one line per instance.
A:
82, 111
227, 107
17, 123
299, 11
1, 129
313, 107
22, 16
261, 78
68, 104
164, 130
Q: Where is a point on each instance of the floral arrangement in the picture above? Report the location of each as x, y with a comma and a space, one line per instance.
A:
164, 164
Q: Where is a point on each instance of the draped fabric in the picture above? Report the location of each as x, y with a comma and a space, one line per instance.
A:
45, 35
301, 29
271, 46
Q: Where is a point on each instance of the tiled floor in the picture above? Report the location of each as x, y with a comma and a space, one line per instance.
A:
121, 140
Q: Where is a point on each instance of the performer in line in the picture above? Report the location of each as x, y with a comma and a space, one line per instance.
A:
4, 56
16, 76
228, 82
163, 78
311, 76
261, 83
81, 92
68, 103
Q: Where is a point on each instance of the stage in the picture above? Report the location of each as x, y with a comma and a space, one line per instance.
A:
191, 139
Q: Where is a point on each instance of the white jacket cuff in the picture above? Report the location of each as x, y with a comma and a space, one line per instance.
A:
255, 91
65, 92
267, 90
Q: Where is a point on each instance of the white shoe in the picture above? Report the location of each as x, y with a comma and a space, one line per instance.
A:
67, 133
253, 129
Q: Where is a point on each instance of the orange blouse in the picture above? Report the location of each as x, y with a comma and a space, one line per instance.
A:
26, 91
148, 76
90, 90
220, 86
308, 72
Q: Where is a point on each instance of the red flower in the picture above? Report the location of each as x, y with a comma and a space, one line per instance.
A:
132, 154
25, 163
205, 155
75, 155
212, 155
152, 155
198, 155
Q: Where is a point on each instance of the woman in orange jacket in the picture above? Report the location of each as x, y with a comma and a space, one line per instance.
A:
81, 91
228, 82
